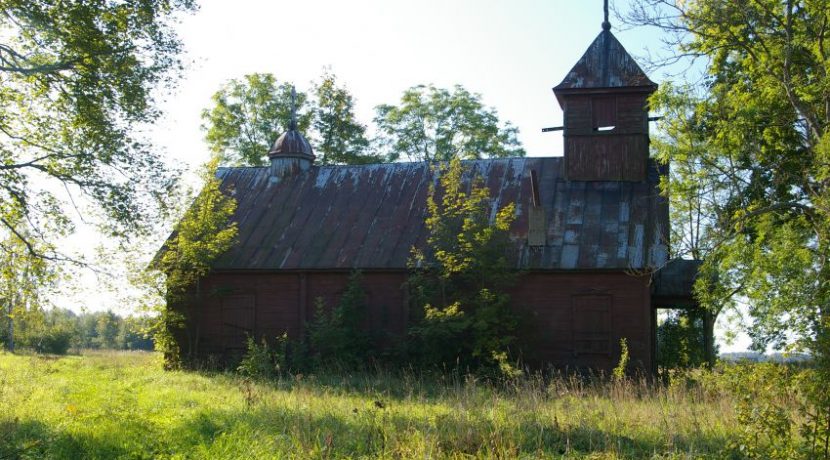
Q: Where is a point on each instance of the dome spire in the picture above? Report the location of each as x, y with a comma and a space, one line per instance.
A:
291, 154
292, 124
605, 24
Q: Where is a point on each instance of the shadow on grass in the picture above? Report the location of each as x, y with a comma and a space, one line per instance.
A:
33, 439
362, 432
377, 432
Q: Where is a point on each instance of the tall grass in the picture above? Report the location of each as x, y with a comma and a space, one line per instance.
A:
123, 405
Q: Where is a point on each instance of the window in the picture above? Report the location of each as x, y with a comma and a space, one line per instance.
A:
604, 113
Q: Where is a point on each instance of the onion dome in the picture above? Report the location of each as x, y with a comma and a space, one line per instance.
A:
292, 143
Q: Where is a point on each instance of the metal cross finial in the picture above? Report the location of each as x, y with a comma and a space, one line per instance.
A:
293, 123
605, 24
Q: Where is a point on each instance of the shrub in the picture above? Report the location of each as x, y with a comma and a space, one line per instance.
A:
680, 339
338, 336
263, 362
459, 281
54, 339
622, 366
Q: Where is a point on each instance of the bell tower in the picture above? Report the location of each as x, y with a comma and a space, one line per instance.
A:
604, 99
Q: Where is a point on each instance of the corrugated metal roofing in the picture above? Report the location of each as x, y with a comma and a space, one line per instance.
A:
606, 64
369, 217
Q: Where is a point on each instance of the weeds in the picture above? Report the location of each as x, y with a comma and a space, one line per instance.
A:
122, 405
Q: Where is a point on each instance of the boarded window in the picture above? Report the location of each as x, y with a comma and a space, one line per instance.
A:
592, 324
604, 113
238, 320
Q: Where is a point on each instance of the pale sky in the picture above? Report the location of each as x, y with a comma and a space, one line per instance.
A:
511, 52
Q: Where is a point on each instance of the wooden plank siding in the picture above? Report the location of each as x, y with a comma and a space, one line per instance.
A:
558, 310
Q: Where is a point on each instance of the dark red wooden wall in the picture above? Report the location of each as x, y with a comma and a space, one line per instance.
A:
593, 154
572, 319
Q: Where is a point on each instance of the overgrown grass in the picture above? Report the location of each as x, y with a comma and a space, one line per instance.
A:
123, 405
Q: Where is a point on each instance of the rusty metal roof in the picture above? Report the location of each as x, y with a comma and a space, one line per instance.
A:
606, 64
370, 216
673, 284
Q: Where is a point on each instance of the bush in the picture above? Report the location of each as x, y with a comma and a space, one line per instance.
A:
338, 337
680, 340
54, 339
263, 362
459, 282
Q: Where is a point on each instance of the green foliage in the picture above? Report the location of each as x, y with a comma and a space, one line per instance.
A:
341, 138
247, 116
203, 234
748, 153
339, 337
435, 124
622, 366
133, 333
263, 362
57, 330
767, 425
44, 331
122, 405
25, 281
458, 281
106, 330
680, 340
77, 78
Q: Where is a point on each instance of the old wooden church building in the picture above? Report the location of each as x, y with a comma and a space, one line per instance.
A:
590, 232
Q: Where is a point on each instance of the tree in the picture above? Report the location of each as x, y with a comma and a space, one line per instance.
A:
203, 234
754, 140
24, 281
342, 139
680, 338
75, 79
434, 124
459, 280
247, 116
106, 330
756, 135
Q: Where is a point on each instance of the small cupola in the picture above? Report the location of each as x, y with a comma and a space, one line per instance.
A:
605, 102
291, 154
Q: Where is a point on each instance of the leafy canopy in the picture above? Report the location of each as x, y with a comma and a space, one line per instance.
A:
435, 124
247, 116
204, 233
459, 280
76, 78
340, 137
750, 150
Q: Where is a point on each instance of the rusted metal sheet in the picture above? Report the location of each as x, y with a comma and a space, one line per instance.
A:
673, 284
606, 64
371, 216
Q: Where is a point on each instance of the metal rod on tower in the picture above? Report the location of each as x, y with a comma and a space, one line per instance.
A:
605, 24
293, 123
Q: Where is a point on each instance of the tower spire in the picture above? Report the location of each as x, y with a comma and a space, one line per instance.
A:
605, 24
292, 125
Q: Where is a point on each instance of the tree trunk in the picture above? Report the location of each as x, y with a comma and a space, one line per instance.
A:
709, 337
11, 325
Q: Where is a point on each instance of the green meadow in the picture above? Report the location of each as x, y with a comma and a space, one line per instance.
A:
106, 405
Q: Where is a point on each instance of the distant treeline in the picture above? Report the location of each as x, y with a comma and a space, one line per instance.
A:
59, 330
